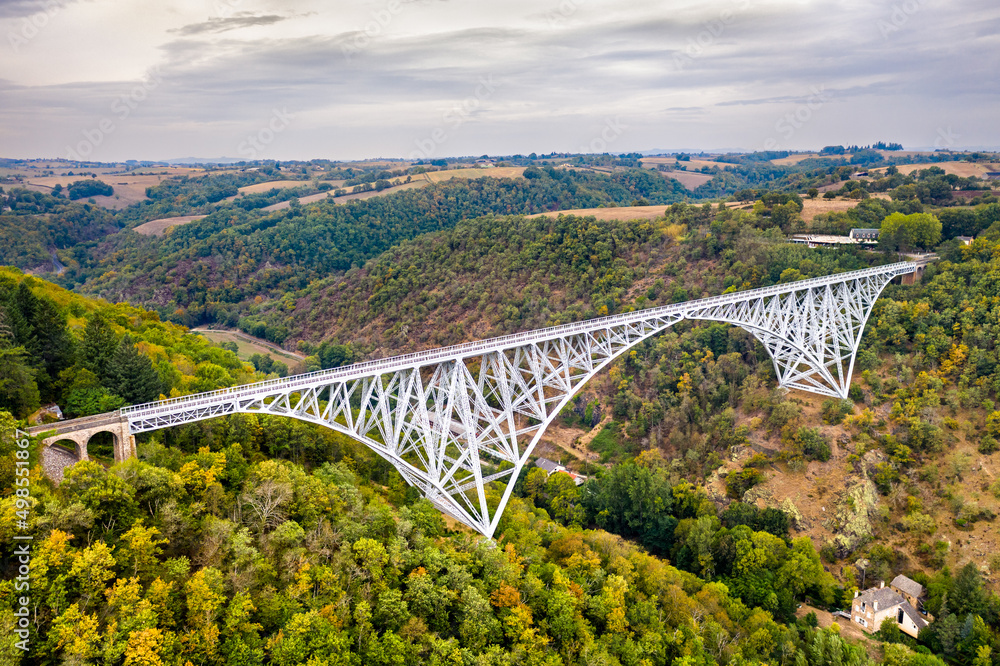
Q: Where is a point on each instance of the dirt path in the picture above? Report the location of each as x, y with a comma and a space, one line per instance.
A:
573, 440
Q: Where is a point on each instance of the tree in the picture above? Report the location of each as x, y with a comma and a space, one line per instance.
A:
141, 550
131, 375
968, 595
99, 346
905, 233
81, 189
55, 344
889, 631
18, 390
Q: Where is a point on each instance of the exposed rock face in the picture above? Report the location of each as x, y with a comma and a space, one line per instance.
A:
798, 520
759, 492
853, 520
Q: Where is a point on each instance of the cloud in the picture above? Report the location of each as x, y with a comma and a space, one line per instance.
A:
372, 78
217, 25
23, 8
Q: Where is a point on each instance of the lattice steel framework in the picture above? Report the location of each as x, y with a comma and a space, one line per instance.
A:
455, 420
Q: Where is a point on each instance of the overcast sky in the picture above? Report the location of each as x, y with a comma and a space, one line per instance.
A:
300, 79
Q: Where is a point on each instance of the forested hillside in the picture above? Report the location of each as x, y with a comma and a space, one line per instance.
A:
90, 356
715, 505
33, 225
219, 556
214, 267
496, 275
913, 449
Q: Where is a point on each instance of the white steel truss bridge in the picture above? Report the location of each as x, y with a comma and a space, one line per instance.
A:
460, 422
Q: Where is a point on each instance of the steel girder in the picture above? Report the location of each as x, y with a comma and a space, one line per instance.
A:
454, 420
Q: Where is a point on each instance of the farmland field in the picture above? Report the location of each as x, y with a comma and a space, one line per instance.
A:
160, 226
619, 213
247, 345
962, 169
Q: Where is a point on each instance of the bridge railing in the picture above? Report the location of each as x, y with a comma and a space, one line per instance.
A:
416, 359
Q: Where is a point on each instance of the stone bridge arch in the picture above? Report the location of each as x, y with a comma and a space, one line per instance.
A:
79, 433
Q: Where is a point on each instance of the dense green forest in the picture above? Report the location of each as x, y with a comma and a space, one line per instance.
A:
218, 265
33, 224
226, 555
92, 357
495, 275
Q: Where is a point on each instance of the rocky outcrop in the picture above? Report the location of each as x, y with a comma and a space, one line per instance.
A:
798, 520
852, 522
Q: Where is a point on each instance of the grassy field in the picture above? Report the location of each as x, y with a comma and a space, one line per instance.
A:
620, 213
281, 205
794, 159
813, 207
419, 180
694, 163
129, 187
690, 180
962, 169
496, 172
160, 226
272, 185
247, 346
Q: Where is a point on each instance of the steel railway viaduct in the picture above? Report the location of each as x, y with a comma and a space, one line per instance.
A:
458, 420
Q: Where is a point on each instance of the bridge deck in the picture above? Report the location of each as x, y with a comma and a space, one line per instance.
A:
75, 425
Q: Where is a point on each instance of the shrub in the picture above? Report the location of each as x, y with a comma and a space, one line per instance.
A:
889, 631
988, 445
993, 424
920, 523
814, 445
834, 411
737, 483
885, 475
867, 360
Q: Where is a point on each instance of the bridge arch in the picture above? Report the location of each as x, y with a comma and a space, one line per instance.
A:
455, 419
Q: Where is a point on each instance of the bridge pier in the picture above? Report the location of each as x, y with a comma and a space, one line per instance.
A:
921, 261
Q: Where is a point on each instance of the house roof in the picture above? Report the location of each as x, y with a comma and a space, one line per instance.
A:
912, 613
886, 597
547, 465
907, 586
